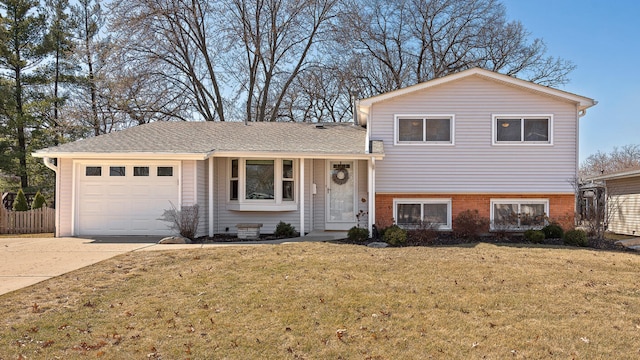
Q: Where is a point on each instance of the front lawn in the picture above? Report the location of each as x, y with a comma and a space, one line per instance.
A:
333, 301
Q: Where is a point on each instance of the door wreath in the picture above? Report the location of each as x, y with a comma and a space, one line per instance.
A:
340, 175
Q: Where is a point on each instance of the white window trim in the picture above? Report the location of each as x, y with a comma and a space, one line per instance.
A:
396, 131
494, 132
422, 201
276, 204
520, 201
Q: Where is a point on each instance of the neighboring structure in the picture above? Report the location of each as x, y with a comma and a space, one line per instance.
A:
472, 140
622, 193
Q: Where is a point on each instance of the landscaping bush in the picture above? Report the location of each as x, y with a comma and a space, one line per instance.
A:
469, 224
534, 236
184, 221
285, 230
553, 231
38, 201
576, 238
358, 234
395, 235
20, 203
425, 234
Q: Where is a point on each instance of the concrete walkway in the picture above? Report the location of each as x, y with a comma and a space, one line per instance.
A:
27, 261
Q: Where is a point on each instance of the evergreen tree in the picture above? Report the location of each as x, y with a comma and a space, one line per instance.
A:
20, 203
22, 32
38, 201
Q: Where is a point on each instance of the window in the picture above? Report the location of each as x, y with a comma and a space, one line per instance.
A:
522, 130
140, 171
262, 180
287, 180
165, 171
519, 214
430, 129
117, 171
93, 171
412, 213
234, 180
259, 179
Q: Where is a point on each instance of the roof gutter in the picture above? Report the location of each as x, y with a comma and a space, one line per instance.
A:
55, 168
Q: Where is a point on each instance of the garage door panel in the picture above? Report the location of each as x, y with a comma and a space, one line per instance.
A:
124, 205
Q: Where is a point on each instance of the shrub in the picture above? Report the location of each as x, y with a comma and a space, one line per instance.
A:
395, 235
534, 236
469, 224
184, 221
358, 234
425, 234
576, 238
553, 231
20, 203
285, 230
38, 201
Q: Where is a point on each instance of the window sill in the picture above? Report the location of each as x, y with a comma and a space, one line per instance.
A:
262, 207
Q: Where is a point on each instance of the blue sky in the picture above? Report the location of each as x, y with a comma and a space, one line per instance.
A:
603, 39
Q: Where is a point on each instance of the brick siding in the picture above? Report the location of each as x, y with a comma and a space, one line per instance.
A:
561, 206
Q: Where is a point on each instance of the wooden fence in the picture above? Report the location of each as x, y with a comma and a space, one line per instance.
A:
27, 222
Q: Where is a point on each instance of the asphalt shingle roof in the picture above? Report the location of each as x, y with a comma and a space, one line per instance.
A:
207, 137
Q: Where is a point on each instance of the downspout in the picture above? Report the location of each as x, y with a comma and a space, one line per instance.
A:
55, 168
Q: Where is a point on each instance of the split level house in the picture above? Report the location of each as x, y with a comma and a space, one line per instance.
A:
474, 140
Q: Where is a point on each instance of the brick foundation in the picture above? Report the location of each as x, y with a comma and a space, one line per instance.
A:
561, 206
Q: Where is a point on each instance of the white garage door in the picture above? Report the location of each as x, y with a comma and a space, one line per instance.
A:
125, 198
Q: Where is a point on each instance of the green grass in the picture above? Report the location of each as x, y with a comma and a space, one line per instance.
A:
330, 301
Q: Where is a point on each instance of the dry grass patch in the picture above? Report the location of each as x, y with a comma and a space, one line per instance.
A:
328, 301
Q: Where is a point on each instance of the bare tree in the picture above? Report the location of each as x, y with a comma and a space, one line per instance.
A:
412, 41
176, 40
624, 158
276, 41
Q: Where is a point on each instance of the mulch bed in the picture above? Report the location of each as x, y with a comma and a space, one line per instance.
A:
442, 239
447, 239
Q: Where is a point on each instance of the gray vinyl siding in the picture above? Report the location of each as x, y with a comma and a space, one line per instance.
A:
624, 205
319, 199
64, 196
473, 164
363, 192
188, 185
202, 197
227, 218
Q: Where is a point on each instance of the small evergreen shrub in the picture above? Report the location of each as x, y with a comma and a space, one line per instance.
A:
285, 230
38, 201
358, 234
469, 224
20, 203
534, 236
553, 231
576, 238
395, 235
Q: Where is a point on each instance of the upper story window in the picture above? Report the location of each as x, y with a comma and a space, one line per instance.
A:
530, 129
424, 129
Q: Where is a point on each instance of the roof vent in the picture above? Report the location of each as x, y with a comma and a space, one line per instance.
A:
319, 126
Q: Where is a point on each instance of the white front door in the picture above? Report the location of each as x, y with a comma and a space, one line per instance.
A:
341, 195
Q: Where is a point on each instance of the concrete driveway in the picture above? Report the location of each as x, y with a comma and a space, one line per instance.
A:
26, 261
